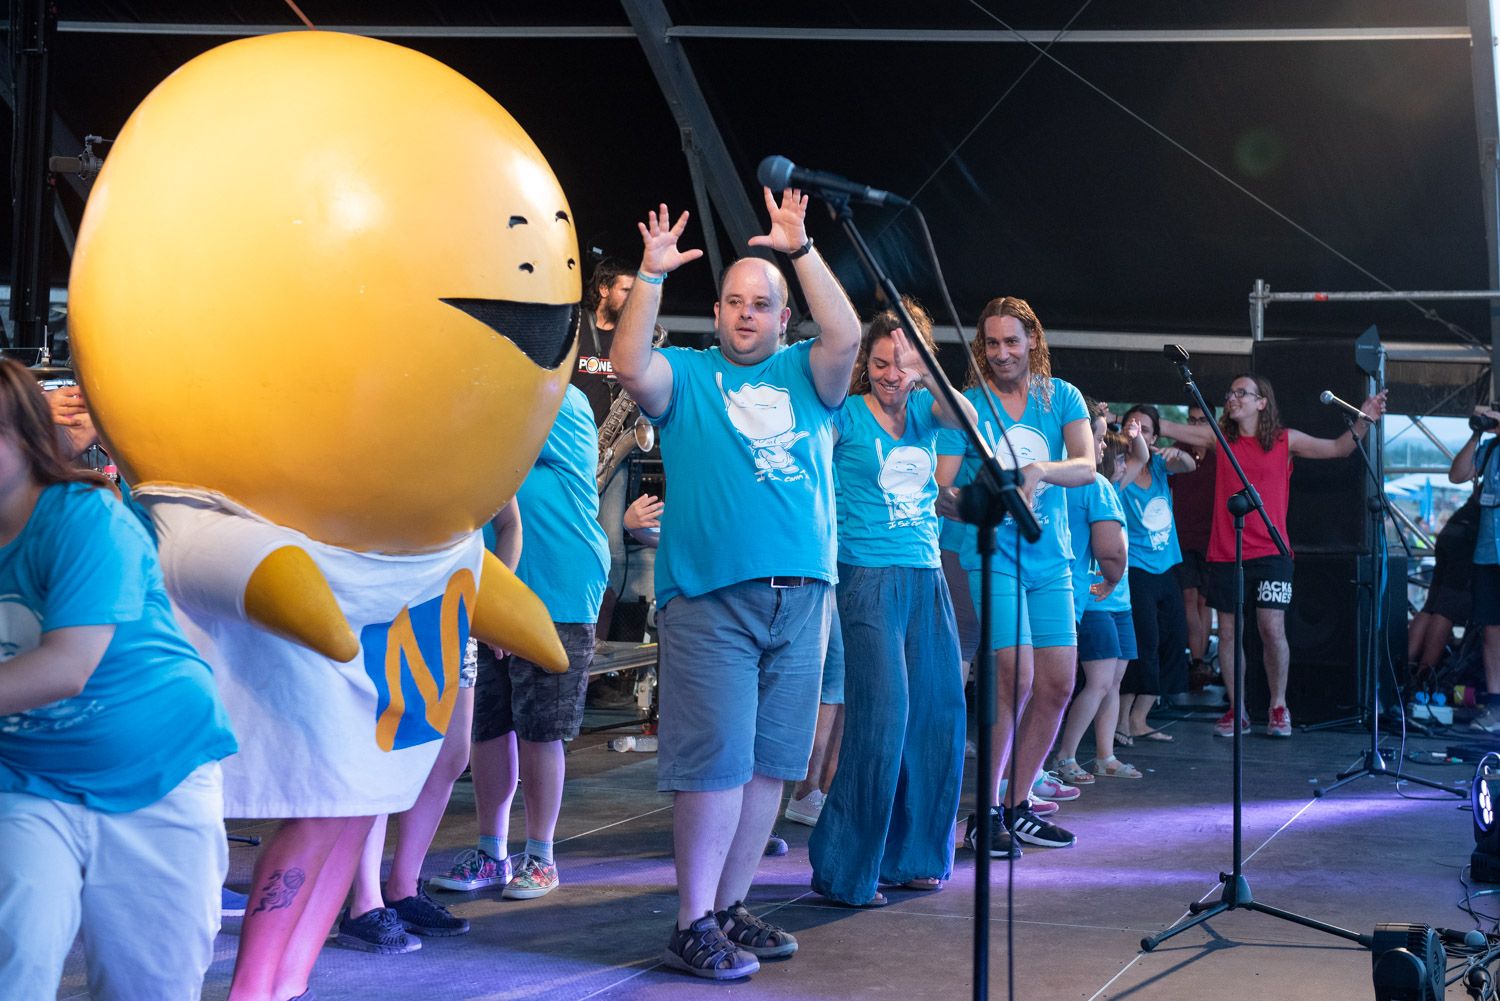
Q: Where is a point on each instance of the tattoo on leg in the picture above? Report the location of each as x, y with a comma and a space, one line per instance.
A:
280, 890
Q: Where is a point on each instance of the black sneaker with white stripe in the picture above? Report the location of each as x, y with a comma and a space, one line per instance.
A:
1002, 845
1028, 827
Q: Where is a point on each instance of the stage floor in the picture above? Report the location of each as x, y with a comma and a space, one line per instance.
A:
1367, 854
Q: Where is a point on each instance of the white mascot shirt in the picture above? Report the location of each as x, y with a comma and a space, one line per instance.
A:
319, 738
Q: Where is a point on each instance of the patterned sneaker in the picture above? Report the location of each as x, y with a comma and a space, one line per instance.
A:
806, 810
1280, 723
377, 931
761, 939
1028, 827
1225, 726
775, 845
533, 878
703, 950
1002, 845
421, 915
1049, 785
473, 869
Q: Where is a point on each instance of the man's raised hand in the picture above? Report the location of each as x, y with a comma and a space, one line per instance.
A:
788, 221
660, 237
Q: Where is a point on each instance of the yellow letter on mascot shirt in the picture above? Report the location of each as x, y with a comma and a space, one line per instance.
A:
324, 306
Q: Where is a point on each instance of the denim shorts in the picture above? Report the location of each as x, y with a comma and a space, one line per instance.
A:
832, 693
1106, 636
515, 694
740, 673
1046, 611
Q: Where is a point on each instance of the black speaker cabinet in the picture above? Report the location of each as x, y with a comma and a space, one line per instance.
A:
1326, 632
1327, 508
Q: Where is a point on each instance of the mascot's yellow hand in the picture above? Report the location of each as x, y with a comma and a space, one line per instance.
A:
289, 596
507, 614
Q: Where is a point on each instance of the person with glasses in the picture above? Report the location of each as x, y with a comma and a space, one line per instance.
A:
1265, 449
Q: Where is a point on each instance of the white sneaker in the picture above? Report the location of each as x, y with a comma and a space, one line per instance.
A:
806, 810
1488, 720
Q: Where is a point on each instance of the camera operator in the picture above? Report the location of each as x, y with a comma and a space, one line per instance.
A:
1476, 461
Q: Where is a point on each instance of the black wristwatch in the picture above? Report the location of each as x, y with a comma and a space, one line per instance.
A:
801, 251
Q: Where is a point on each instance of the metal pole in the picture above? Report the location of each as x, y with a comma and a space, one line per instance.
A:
1258, 310
31, 25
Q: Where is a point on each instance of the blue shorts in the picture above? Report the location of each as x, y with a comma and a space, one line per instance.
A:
833, 664
1106, 636
1046, 611
740, 671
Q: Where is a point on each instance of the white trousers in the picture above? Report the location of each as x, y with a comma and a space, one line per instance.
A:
142, 886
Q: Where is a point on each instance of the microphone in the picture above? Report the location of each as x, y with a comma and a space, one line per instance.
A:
779, 173
1350, 411
1472, 939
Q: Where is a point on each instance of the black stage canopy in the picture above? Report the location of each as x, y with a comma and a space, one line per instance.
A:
1132, 169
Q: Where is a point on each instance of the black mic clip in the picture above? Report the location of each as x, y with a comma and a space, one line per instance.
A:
985, 502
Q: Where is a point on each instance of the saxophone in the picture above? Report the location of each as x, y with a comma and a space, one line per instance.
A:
615, 442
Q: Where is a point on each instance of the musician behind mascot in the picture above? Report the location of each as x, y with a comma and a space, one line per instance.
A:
624, 439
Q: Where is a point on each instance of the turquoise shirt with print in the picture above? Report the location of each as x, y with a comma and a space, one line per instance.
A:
1096, 501
1036, 437
747, 452
885, 486
149, 714
564, 552
1149, 520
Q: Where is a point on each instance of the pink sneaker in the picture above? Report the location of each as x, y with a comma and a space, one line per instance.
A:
1049, 786
1042, 807
1225, 726
1280, 723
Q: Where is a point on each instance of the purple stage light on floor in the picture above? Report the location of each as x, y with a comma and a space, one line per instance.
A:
1484, 863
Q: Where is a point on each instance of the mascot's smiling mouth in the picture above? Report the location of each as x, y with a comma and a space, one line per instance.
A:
544, 333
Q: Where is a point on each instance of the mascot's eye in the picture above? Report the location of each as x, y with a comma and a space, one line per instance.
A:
543, 333
561, 216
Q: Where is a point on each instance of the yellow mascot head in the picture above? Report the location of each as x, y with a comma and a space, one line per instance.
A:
329, 278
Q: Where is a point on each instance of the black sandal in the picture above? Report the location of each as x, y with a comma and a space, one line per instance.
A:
703, 950
758, 937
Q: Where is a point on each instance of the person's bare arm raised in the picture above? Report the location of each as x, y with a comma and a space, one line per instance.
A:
832, 357
643, 372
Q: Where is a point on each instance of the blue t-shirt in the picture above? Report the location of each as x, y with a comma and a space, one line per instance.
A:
886, 493
1036, 437
1487, 545
1087, 504
149, 714
747, 451
564, 552
1148, 517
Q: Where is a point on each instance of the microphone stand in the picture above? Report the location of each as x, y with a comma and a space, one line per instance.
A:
994, 494
1236, 894
1371, 763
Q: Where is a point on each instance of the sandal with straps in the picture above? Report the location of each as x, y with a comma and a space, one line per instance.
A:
703, 950
1069, 770
1113, 767
760, 938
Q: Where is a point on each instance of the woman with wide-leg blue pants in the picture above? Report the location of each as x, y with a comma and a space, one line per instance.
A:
889, 814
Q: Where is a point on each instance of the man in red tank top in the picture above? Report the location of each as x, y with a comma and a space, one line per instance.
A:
1265, 450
